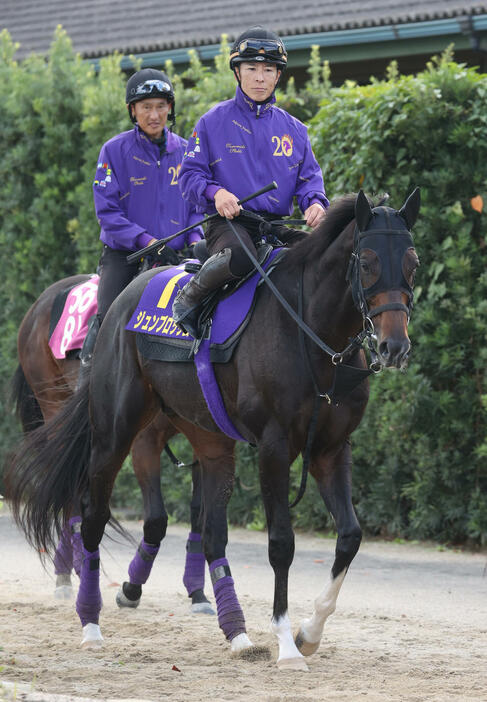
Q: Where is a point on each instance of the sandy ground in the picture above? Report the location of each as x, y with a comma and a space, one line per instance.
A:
411, 624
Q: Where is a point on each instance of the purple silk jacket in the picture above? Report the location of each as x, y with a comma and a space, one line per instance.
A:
136, 192
242, 146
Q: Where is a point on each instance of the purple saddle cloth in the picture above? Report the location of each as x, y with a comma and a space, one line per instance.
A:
153, 316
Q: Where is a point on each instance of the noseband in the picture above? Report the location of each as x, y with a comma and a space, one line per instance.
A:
390, 246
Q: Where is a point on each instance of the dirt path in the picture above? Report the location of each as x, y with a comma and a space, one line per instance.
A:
411, 624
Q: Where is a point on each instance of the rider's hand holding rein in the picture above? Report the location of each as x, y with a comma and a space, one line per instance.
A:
314, 214
226, 204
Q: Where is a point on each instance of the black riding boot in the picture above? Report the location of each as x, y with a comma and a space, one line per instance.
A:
212, 275
86, 352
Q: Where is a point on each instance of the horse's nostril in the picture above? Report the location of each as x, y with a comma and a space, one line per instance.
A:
393, 351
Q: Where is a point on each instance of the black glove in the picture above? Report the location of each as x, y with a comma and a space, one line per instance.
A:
187, 252
167, 257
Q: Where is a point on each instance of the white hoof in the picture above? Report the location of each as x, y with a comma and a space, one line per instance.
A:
92, 637
202, 608
297, 663
63, 592
240, 643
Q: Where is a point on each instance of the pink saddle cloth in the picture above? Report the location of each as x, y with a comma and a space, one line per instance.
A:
70, 331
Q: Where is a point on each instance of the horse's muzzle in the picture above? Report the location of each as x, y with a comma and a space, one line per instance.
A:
393, 353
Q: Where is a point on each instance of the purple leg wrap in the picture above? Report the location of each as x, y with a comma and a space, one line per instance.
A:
194, 571
76, 543
63, 558
88, 604
141, 564
230, 615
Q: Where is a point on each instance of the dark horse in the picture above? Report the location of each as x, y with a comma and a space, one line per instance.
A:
41, 385
356, 271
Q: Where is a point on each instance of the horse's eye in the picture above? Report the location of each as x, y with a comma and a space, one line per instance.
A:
364, 266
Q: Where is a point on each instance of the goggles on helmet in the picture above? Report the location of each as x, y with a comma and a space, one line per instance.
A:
261, 49
153, 86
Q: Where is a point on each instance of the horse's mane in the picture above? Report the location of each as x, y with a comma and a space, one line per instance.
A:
340, 213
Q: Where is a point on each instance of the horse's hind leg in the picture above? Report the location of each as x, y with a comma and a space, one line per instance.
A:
146, 453
216, 456
119, 408
333, 476
194, 571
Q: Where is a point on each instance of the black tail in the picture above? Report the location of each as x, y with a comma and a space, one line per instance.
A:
27, 408
46, 477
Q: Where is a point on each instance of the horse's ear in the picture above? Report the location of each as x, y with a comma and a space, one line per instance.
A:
410, 210
363, 213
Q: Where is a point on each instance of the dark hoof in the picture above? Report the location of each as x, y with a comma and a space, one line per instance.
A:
200, 603
129, 595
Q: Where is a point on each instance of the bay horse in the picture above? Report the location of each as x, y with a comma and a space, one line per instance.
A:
41, 385
352, 277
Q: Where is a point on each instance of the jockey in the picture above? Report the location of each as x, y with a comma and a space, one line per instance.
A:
136, 194
236, 148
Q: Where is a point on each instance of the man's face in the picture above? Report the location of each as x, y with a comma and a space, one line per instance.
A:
151, 115
258, 80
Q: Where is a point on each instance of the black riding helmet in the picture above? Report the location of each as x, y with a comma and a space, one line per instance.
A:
150, 83
258, 44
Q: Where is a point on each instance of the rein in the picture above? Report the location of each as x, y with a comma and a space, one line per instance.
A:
336, 357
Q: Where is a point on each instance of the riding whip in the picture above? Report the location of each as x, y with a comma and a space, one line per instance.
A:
157, 244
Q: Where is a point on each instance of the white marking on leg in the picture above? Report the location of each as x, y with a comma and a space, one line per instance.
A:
92, 637
240, 642
289, 656
311, 629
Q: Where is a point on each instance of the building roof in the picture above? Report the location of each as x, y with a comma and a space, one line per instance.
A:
99, 27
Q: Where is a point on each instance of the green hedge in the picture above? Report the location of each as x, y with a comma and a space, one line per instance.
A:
421, 452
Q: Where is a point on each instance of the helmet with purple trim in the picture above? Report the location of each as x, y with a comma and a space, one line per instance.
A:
149, 83
258, 44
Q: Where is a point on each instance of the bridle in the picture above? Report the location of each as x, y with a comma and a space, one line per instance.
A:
378, 239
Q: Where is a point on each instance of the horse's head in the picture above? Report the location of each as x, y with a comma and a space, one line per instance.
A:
382, 271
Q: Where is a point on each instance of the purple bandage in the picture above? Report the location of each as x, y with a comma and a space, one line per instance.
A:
141, 564
63, 558
230, 615
194, 570
76, 543
88, 603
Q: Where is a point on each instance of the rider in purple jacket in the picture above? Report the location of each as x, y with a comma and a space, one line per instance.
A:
236, 148
136, 193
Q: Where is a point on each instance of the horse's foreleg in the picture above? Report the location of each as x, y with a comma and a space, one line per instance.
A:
333, 476
194, 570
63, 564
69, 554
274, 478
